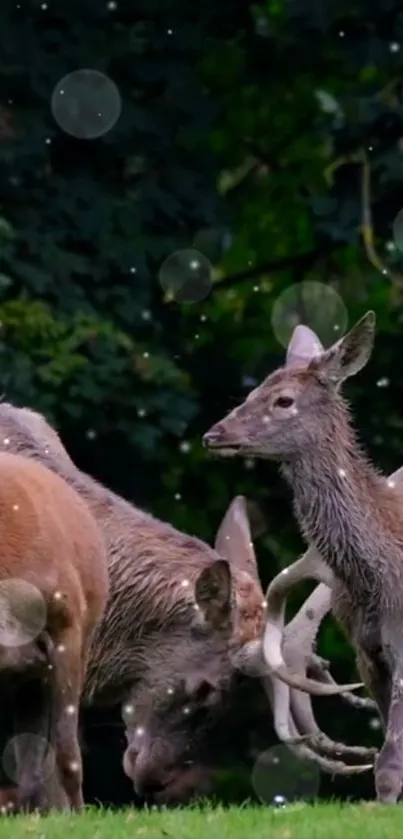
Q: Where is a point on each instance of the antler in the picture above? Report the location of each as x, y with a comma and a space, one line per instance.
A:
311, 565
299, 640
294, 721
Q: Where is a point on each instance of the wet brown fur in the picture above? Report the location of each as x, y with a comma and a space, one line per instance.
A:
50, 540
145, 640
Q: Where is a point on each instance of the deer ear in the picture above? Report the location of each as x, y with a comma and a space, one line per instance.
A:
234, 538
351, 353
213, 594
304, 345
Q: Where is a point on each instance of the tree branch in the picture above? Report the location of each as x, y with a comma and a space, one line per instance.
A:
302, 261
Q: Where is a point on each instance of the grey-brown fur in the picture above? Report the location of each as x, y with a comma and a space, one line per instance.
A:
152, 637
143, 645
344, 506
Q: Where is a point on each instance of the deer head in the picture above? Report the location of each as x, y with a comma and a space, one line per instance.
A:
294, 408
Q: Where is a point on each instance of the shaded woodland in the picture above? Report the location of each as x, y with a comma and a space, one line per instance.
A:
264, 141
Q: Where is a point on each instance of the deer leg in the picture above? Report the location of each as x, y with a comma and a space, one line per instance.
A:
67, 685
389, 764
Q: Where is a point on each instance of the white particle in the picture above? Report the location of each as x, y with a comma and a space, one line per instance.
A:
370, 148
255, 288
185, 583
15, 507
341, 34
74, 766
70, 710
6, 441
394, 46
3, 809
50, 666
203, 317
91, 434
384, 270
112, 5
128, 709
391, 484
184, 446
264, 604
196, 607
62, 93
44, 6
58, 595
266, 418
285, 571
133, 270
139, 731
390, 246
61, 648
146, 315
375, 723
46, 450
141, 412
194, 264
294, 410
336, 327
197, 336
146, 355
186, 709
342, 473
170, 31
382, 382
177, 496
48, 141
170, 691
401, 683
249, 463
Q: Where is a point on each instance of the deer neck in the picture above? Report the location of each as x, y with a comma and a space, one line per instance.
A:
338, 501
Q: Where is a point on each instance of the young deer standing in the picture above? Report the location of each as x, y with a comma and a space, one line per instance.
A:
346, 509
53, 591
153, 650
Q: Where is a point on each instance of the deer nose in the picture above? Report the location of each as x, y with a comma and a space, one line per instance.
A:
213, 436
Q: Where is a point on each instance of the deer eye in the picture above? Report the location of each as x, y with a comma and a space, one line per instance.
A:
284, 402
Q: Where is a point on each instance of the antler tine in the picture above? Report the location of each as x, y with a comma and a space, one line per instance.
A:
309, 566
299, 640
301, 634
286, 729
320, 670
301, 709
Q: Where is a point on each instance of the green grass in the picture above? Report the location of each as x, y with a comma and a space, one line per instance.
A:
320, 821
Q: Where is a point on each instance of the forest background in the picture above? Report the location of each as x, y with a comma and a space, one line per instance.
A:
250, 173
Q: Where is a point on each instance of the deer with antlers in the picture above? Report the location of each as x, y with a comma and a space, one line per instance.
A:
53, 591
164, 645
351, 513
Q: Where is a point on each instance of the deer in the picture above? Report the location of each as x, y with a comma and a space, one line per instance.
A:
54, 586
179, 615
344, 506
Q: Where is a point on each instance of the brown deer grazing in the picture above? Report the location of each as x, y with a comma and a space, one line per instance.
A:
177, 619
347, 509
53, 591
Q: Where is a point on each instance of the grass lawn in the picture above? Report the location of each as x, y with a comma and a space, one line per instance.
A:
341, 821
